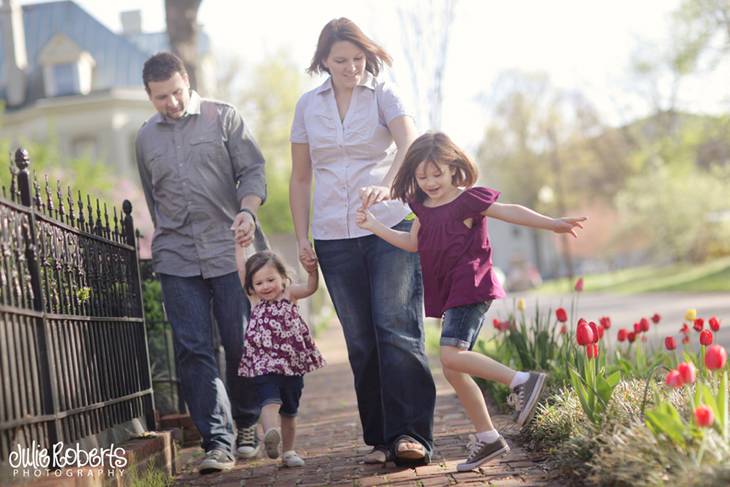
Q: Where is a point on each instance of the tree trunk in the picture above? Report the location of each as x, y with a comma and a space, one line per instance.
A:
182, 30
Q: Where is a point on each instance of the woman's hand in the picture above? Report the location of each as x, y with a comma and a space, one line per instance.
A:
307, 256
365, 219
568, 224
369, 195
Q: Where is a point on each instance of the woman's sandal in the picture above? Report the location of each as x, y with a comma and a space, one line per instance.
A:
378, 455
414, 454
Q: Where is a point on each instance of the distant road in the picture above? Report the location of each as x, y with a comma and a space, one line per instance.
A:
624, 310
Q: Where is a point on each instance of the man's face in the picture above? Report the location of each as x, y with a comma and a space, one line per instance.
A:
170, 97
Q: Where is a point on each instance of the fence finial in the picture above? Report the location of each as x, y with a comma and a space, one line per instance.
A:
22, 159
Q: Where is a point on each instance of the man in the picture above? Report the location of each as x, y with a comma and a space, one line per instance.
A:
203, 176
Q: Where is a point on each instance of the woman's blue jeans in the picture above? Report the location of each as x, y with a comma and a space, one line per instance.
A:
378, 295
188, 302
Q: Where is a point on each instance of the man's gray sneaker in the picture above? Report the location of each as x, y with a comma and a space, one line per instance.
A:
480, 453
525, 396
247, 442
216, 461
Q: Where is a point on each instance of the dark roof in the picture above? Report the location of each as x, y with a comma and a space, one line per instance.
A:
119, 59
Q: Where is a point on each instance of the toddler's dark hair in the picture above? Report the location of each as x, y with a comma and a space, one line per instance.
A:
259, 260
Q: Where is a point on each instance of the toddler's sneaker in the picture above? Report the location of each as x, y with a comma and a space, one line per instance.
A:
524, 397
480, 453
247, 442
272, 440
291, 459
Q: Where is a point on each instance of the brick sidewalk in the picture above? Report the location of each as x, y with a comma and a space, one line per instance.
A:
329, 439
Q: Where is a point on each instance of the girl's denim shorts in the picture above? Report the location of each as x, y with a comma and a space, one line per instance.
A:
461, 325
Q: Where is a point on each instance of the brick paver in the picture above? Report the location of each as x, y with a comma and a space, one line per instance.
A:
329, 439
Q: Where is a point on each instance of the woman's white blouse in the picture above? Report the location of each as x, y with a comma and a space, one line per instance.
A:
348, 155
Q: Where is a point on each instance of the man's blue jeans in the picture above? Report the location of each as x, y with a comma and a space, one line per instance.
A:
188, 303
378, 295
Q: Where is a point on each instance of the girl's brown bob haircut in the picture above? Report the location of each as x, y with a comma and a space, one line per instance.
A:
259, 260
432, 147
343, 29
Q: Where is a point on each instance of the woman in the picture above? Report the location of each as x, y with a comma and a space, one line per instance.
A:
343, 133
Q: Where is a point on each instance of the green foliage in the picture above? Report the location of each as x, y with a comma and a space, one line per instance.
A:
268, 104
594, 388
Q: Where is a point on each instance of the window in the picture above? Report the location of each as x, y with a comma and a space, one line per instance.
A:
65, 79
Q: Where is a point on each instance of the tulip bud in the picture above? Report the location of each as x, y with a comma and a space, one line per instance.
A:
684, 329
685, 340
594, 329
699, 324
656, 318
584, 334
521, 305
561, 315
715, 357
622, 334
605, 322
579, 284
690, 315
714, 323
706, 338
496, 323
669, 343
644, 324
592, 351
704, 416
637, 327
632, 337
673, 379
687, 372
563, 329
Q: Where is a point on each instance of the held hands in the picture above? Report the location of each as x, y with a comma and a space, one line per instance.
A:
369, 195
365, 219
568, 224
243, 229
307, 256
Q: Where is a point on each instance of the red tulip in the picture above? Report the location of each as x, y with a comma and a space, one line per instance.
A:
637, 327
592, 350
669, 343
561, 315
714, 323
632, 337
687, 372
704, 416
504, 326
496, 323
685, 340
684, 329
656, 318
596, 333
715, 357
622, 334
583, 333
579, 284
644, 323
699, 324
673, 379
605, 322
705, 338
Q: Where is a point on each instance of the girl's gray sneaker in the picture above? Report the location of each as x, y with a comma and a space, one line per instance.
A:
272, 440
480, 453
216, 461
525, 396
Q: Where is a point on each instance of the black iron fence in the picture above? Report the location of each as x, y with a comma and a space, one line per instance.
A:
74, 364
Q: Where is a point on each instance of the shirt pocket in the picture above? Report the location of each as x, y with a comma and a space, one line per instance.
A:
160, 168
323, 133
363, 122
206, 146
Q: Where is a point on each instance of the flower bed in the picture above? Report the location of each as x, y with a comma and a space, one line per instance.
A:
624, 415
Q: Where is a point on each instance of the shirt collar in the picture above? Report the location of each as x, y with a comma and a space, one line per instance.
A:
193, 108
367, 81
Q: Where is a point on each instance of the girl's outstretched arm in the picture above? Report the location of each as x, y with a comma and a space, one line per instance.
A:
521, 215
304, 290
404, 240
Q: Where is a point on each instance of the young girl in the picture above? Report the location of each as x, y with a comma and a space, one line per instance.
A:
450, 236
278, 348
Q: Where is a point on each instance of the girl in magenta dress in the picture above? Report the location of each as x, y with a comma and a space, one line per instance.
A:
278, 349
450, 235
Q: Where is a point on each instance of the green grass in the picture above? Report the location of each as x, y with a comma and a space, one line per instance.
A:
711, 276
